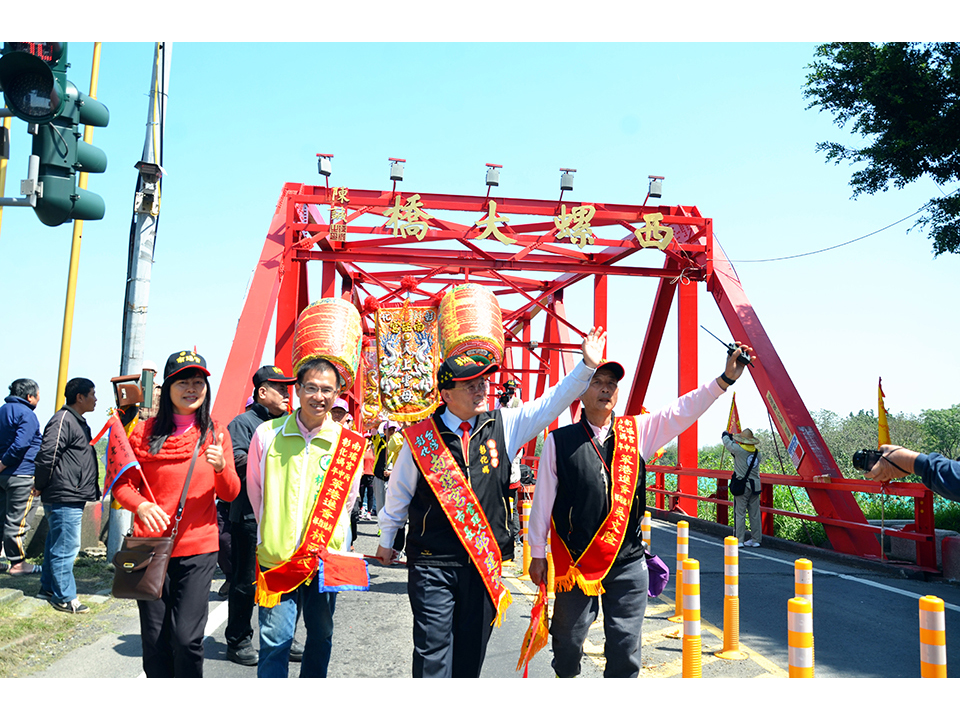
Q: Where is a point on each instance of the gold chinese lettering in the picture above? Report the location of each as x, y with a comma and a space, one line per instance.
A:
653, 234
576, 224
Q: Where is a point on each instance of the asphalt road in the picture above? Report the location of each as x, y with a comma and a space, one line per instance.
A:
865, 623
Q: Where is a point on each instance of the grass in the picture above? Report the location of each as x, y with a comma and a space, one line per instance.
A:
30, 643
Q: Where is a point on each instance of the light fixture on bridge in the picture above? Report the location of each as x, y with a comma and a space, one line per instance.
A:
324, 167
493, 174
566, 180
396, 169
656, 186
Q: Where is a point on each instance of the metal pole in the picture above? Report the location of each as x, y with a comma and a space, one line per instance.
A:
140, 260
75, 256
3, 169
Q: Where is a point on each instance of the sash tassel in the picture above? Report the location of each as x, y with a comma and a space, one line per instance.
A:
574, 578
506, 600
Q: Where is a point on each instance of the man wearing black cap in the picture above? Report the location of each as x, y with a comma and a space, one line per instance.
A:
458, 533
271, 399
590, 483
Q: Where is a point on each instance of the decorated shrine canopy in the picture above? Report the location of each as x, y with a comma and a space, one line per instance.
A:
396, 254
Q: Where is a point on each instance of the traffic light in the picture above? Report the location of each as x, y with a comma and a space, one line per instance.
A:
33, 77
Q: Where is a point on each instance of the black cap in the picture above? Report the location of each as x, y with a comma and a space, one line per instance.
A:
271, 373
614, 368
184, 360
462, 367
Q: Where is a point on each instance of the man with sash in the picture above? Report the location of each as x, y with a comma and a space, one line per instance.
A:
452, 479
303, 476
591, 497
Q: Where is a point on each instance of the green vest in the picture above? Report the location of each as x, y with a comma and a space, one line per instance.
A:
293, 473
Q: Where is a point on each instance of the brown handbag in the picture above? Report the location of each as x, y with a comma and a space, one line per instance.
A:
141, 562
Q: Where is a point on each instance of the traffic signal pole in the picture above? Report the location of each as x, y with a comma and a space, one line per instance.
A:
75, 256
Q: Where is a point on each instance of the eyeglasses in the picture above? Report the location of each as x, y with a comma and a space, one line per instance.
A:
475, 386
310, 390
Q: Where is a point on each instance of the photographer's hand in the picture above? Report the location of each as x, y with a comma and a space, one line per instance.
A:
733, 369
896, 462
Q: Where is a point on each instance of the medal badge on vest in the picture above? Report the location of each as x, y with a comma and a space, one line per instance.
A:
337, 571
593, 565
461, 507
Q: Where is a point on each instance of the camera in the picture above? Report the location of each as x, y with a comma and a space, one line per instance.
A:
864, 460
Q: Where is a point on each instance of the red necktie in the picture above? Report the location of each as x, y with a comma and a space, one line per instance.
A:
465, 435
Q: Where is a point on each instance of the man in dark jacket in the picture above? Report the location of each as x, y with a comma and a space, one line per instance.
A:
67, 479
271, 399
19, 442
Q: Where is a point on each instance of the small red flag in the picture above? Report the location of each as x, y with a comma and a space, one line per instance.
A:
119, 457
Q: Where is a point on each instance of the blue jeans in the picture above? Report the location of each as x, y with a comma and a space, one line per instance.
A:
61, 549
278, 625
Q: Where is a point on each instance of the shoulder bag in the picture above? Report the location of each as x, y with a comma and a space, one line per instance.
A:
738, 485
141, 562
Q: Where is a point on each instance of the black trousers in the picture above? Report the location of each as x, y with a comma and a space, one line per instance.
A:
241, 600
452, 620
171, 628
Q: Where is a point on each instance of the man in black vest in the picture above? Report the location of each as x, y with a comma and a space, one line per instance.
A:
575, 489
271, 399
452, 610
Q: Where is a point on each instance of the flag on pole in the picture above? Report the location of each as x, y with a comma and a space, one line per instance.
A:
733, 423
883, 434
537, 633
119, 456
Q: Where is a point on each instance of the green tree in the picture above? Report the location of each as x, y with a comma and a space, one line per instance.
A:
942, 431
905, 99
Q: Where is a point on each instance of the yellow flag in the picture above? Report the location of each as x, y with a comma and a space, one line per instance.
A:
733, 423
883, 436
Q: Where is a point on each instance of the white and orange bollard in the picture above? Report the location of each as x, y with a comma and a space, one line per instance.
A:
933, 638
800, 637
692, 643
803, 579
683, 544
645, 529
731, 602
525, 505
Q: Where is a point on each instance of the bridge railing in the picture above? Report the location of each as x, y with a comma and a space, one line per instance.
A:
921, 531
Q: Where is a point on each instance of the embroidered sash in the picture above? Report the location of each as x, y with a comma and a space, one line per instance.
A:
459, 503
331, 500
595, 562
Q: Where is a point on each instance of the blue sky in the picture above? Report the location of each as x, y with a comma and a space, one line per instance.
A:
725, 123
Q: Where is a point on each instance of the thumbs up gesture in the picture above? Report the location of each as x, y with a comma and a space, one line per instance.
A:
214, 453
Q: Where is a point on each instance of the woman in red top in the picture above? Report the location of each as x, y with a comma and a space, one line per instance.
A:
171, 628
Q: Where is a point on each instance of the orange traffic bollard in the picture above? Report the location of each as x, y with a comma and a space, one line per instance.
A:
683, 543
645, 529
803, 579
525, 506
800, 638
692, 648
933, 638
731, 602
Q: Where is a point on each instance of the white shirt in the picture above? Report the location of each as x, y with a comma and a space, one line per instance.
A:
653, 432
520, 425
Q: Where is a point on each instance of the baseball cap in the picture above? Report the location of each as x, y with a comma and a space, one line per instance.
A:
614, 368
462, 367
271, 373
184, 360
340, 404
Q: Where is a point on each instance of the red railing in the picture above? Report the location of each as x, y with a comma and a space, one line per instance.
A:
921, 531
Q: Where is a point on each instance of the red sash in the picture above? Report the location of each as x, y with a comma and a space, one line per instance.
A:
460, 505
595, 562
331, 500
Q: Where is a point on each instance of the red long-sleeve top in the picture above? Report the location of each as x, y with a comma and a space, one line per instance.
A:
165, 474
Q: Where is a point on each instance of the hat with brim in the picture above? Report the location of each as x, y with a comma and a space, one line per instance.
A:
458, 368
184, 360
746, 438
614, 368
271, 373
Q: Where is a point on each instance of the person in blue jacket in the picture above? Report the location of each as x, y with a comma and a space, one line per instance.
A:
940, 474
19, 442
